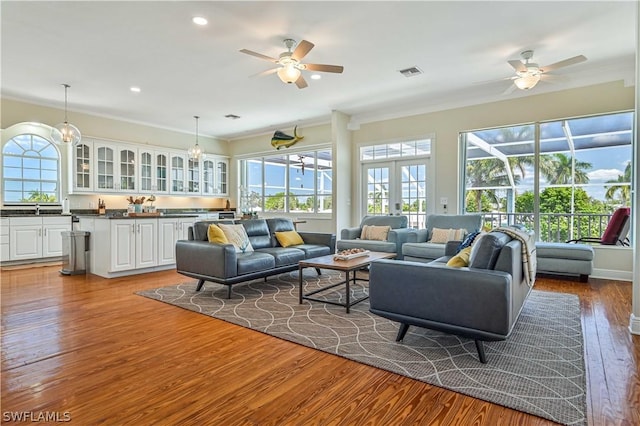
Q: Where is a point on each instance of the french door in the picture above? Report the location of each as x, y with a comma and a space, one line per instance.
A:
396, 188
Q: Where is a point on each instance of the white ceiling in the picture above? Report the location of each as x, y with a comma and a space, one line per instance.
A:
103, 48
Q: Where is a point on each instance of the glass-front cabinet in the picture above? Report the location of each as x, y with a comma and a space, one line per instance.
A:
103, 166
82, 168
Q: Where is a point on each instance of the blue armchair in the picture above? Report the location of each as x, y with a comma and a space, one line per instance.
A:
397, 236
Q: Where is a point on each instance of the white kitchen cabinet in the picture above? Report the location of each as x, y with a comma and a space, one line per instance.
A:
36, 237
133, 244
83, 167
171, 230
214, 176
153, 171
115, 167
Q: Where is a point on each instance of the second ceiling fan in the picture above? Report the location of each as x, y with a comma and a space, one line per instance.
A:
290, 66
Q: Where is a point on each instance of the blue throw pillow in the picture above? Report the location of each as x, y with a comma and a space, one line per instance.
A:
468, 240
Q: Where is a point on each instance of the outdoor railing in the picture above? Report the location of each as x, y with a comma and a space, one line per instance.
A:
554, 227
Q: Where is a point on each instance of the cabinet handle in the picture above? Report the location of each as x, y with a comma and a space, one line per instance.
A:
39, 232
138, 228
45, 232
133, 229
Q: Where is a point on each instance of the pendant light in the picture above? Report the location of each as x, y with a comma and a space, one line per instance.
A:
195, 152
66, 132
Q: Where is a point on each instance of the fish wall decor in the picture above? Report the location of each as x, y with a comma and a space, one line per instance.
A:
282, 140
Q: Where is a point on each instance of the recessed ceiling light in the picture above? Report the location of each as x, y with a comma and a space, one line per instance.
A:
135, 89
316, 76
200, 20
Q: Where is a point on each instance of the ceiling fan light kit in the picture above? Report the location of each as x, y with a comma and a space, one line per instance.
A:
290, 68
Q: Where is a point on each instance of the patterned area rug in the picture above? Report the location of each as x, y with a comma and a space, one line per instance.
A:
539, 369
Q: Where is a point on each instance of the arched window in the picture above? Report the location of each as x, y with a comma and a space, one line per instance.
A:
30, 170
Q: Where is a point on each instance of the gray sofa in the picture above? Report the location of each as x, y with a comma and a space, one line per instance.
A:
418, 249
481, 302
350, 237
198, 258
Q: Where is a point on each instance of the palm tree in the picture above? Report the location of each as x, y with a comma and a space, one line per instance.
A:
624, 188
557, 169
488, 172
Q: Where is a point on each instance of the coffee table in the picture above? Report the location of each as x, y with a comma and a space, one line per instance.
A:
349, 267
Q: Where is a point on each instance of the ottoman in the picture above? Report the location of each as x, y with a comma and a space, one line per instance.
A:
565, 258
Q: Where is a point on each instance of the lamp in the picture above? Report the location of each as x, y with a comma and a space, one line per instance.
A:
65, 132
289, 73
527, 81
195, 152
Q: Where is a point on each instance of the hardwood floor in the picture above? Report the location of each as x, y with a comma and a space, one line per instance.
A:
90, 349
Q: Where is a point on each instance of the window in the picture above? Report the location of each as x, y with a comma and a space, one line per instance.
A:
584, 166
298, 182
30, 170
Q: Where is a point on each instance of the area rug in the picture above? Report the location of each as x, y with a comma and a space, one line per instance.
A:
538, 370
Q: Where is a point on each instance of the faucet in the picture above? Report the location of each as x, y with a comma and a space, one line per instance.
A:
37, 209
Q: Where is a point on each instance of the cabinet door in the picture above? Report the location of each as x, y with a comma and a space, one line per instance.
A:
105, 168
183, 229
147, 184
25, 242
123, 249
193, 176
162, 172
167, 236
177, 173
146, 243
208, 176
52, 239
82, 168
221, 177
127, 169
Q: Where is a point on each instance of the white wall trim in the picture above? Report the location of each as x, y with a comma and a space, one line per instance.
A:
634, 324
612, 274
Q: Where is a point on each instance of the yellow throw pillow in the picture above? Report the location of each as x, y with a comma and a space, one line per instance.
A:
237, 236
215, 235
289, 238
373, 232
441, 236
461, 259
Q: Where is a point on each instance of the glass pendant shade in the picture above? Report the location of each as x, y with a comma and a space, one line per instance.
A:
289, 73
195, 152
65, 132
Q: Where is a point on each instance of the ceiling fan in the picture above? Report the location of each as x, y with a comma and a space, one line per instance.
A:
528, 74
290, 67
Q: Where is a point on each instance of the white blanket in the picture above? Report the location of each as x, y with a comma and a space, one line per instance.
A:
529, 259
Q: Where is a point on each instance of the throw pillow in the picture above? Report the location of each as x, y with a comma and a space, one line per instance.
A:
289, 238
461, 259
442, 236
215, 235
373, 232
468, 241
486, 249
237, 235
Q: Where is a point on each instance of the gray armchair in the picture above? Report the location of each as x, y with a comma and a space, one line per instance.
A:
481, 301
418, 249
398, 235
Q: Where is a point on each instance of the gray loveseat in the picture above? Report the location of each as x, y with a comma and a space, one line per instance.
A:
398, 235
419, 249
198, 258
481, 302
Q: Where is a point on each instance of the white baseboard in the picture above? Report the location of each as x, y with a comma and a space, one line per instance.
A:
634, 324
612, 274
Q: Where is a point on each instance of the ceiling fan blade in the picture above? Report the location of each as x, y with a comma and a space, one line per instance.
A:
565, 63
301, 50
552, 78
301, 82
266, 72
259, 55
324, 68
510, 89
517, 65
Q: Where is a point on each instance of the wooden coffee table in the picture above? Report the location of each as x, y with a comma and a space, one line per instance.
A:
349, 267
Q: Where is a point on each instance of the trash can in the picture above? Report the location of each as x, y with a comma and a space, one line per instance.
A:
75, 246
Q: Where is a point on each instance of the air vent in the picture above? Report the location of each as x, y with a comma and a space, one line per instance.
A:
232, 116
410, 72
